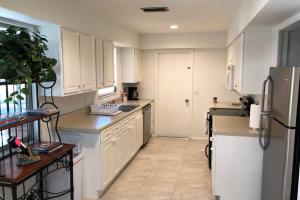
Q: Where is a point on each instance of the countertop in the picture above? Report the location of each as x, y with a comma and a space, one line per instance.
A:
83, 122
226, 105
233, 126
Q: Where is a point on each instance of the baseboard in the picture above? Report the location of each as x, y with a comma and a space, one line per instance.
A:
200, 138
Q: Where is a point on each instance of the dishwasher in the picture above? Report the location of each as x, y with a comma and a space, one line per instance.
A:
146, 124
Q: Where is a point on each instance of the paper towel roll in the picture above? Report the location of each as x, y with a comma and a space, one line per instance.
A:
254, 121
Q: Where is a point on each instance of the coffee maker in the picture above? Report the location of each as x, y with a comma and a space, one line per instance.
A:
132, 93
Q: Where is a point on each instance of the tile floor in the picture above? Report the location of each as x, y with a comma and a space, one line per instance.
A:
166, 169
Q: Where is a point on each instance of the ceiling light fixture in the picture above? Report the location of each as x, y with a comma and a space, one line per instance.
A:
173, 27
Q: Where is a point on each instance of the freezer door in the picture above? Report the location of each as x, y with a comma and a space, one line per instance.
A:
284, 94
277, 163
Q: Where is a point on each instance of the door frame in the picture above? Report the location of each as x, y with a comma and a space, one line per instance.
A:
156, 72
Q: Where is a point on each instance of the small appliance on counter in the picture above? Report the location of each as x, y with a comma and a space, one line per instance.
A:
132, 90
246, 102
133, 93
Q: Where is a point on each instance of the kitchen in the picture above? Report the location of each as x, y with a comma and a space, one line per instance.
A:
156, 95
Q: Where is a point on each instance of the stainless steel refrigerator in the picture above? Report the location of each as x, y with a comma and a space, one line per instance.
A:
279, 134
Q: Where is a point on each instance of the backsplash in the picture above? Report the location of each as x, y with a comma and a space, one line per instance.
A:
73, 103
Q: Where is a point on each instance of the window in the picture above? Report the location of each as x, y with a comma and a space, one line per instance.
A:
10, 109
111, 90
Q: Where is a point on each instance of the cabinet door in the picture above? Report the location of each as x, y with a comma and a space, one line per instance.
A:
139, 130
137, 65
115, 156
234, 163
257, 60
124, 141
229, 55
213, 165
238, 52
108, 61
131, 139
87, 66
106, 163
71, 61
99, 64
128, 63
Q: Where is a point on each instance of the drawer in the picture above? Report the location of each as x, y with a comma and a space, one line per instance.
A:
132, 117
125, 123
107, 134
117, 128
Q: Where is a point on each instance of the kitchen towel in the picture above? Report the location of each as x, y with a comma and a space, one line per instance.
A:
255, 111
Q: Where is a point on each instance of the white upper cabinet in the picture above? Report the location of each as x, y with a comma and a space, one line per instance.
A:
87, 62
70, 61
250, 56
75, 54
99, 64
108, 63
131, 65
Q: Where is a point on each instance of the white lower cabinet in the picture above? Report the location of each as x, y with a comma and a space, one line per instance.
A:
107, 170
107, 153
236, 168
119, 143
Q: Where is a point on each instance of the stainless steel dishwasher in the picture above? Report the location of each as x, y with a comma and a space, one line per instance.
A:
146, 124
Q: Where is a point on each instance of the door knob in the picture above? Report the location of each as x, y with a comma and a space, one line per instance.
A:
187, 100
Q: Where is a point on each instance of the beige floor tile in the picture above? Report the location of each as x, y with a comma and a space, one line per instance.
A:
120, 195
154, 195
166, 169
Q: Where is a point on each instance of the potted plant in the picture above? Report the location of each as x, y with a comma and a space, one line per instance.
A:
23, 60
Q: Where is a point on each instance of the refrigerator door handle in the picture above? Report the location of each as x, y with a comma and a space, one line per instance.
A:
265, 113
206, 150
265, 145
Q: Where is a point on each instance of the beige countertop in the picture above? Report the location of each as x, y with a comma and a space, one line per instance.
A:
226, 105
233, 126
83, 122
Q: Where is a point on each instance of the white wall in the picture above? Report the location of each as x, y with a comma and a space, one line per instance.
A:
147, 85
208, 82
246, 11
183, 40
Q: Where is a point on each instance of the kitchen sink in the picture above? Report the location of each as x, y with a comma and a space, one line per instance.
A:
127, 108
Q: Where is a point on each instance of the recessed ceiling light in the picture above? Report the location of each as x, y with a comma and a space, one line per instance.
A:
173, 27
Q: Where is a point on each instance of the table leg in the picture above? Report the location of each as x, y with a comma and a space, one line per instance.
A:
71, 175
41, 184
14, 192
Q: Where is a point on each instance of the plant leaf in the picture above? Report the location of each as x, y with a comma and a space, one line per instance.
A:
20, 97
24, 91
14, 93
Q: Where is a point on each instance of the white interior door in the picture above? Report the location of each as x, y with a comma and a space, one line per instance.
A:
174, 94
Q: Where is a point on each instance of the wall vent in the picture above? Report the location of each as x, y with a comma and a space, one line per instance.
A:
155, 9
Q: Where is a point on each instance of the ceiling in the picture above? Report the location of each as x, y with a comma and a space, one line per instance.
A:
189, 15
275, 12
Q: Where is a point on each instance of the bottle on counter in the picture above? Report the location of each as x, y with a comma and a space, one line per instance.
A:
215, 100
124, 97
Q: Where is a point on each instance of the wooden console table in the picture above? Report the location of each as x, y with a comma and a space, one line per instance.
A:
18, 175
